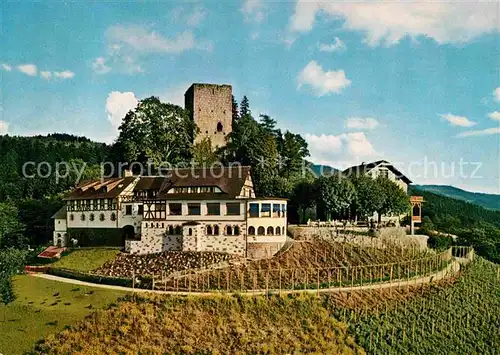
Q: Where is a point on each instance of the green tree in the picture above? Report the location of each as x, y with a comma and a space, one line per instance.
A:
395, 200
11, 263
157, 131
203, 153
10, 227
369, 196
235, 111
334, 195
292, 150
303, 197
245, 107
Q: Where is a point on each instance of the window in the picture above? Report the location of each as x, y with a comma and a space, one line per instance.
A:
219, 127
141, 210
266, 210
170, 230
71, 217
283, 210
194, 209
213, 209
175, 209
113, 217
209, 230
229, 230
216, 230
261, 231
190, 232
128, 210
82, 217
233, 209
102, 217
91, 217
384, 173
236, 230
251, 230
278, 231
254, 210
276, 210
270, 230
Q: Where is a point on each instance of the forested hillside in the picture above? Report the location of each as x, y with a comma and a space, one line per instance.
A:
473, 224
489, 201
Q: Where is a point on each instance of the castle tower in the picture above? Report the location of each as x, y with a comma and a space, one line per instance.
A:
211, 108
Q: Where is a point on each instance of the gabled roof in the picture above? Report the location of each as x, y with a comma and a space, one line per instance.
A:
229, 179
60, 214
96, 189
365, 168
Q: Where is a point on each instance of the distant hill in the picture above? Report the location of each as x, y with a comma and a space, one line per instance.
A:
323, 170
489, 201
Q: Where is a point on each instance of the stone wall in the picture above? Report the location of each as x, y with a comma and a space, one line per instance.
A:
262, 250
392, 235
210, 105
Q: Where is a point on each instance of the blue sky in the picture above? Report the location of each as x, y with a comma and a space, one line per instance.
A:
414, 83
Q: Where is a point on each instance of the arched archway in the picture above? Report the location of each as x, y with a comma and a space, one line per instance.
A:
229, 230
216, 230
178, 230
209, 230
219, 127
261, 231
128, 232
236, 230
251, 230
278, 231
170, 230
190, 231
270, 230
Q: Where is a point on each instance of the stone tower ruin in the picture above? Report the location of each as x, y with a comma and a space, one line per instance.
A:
210, 107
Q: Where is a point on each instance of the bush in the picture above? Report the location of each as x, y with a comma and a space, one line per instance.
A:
439, 242
144, 282
91, 237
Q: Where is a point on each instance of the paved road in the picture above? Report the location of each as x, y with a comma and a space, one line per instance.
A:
450, 270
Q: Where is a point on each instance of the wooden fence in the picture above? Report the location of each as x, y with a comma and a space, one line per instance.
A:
238, 278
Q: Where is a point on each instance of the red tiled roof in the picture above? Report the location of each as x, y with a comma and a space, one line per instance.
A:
51, 252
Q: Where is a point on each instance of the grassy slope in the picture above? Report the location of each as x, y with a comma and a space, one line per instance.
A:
462, 319
43, 307
85, 260
217, 325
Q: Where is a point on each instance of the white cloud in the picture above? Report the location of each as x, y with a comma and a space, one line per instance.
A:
496, 93
337, 46
387, 22
253, 10
340, 151
63, 75
455, 120
28, 69
143, 40
117, 106
361, 123
483, 132
323, 82
46, 75
196, 17
99, 66
4, 127
495, 115
6, 67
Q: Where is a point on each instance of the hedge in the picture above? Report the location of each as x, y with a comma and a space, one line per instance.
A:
143, 282
93, 237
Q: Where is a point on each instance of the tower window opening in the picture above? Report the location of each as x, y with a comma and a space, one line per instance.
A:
219, 127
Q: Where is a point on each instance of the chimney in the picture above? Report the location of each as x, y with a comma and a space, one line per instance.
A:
127, 173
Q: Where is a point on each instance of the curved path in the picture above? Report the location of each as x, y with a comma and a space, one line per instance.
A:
451, 269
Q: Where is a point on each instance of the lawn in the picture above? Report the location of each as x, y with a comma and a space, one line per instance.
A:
86, 260
43, 307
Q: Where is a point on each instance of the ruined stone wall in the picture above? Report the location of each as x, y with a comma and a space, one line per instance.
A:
262, 250
210, 105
